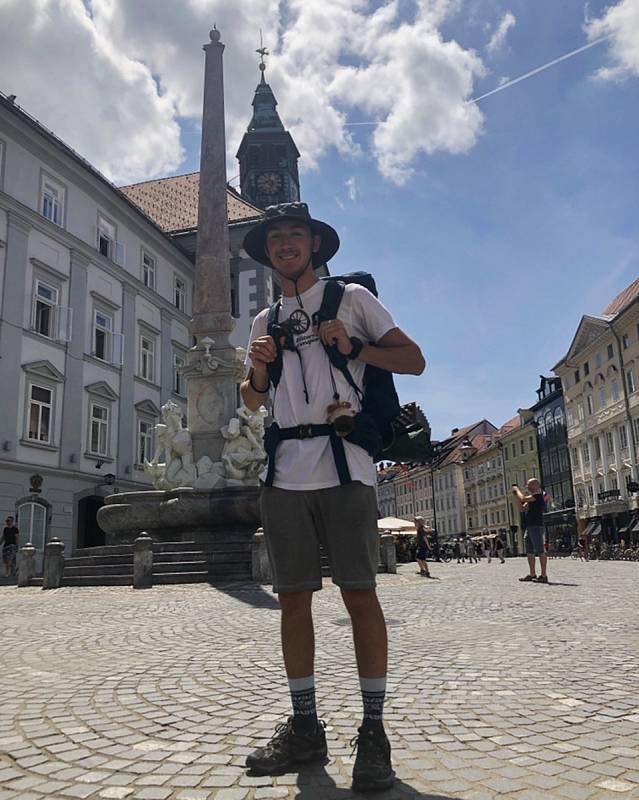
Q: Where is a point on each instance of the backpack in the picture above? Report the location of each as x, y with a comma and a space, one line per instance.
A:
378, 428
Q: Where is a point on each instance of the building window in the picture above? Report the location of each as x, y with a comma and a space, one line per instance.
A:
630, 381
99, 430
602, 397
569, 416
615, 391
580, 409
577, 378
40, 413
623, 436
531, 443
102, 336
591, 494
514, 450
145, 441
180, 294
575, 457
625, 341
590, 404
586, 368
597, 360
610, 352
52, 204
597, 443
610, 444
635, 425
148, 270
106, 242
585, 452
46, 300
147, 358
522, 447
178, 378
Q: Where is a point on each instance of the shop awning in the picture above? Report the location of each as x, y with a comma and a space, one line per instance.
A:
593, 528
634, 526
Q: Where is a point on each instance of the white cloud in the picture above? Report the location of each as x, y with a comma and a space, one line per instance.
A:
101, 101
119, 78
498, 39
621, 23
351, 188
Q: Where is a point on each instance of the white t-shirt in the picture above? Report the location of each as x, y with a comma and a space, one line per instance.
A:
309, 463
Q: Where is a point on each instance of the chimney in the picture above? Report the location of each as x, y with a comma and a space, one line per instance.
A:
454, 431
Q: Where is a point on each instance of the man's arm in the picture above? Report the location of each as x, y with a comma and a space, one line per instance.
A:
523, 498
394, 352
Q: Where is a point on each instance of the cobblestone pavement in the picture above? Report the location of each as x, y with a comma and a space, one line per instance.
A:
498, 689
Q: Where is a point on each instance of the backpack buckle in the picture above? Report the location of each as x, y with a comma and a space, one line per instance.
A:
305, 431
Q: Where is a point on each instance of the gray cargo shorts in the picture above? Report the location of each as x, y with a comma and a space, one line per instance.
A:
534, 541
343, 519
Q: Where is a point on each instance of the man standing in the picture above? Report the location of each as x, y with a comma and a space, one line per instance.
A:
312, 494
9, 541
533, 506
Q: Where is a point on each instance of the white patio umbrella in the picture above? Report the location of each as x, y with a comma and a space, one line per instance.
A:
395, 524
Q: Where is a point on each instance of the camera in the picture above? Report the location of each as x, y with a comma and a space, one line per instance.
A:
285, 331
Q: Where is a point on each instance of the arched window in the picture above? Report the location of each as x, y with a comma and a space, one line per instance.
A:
32, 523
560, 423
541, 428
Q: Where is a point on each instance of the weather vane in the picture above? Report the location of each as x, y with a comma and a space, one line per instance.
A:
262, 52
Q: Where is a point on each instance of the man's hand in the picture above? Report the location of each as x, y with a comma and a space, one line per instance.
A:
262, 351
334, 332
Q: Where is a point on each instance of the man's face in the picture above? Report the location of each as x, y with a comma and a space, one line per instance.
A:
289, 246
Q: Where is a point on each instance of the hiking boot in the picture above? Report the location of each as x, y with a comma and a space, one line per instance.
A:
287, 748
372, 768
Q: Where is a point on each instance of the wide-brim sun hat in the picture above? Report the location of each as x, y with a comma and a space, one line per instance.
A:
255, 239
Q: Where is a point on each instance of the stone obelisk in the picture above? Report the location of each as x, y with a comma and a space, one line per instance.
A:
214, 367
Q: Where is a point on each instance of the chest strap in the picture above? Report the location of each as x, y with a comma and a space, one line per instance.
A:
274, 435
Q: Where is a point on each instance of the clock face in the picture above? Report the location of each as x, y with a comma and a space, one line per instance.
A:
269, 182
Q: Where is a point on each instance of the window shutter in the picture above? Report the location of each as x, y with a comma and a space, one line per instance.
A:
118, 253
117, 349
64, 323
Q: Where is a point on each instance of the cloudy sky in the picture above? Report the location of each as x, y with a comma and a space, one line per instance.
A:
492, 226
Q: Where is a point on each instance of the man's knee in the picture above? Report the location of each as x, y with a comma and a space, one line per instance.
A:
295, 603
360, 602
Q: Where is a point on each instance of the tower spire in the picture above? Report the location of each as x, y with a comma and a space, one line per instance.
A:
263, 52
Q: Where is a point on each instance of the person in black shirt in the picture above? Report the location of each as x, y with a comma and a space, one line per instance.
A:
9, 542
533, 505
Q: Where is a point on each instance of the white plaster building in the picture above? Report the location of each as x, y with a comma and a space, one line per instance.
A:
94, 325
600, 376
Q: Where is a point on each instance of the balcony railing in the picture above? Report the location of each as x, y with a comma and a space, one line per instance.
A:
610, 496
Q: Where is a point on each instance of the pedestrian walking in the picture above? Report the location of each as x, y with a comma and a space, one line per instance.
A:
470, 552
319, 487
533, 505
424, 547
457, 549
499, 549
486, 548
9, 542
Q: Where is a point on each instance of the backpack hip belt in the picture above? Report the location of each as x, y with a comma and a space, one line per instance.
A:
274, 435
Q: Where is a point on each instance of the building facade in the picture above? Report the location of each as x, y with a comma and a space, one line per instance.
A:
554, 462
485, 489
94, 326
600, 374
521, 462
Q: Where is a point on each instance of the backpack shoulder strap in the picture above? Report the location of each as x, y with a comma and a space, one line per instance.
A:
275, 367
333, 294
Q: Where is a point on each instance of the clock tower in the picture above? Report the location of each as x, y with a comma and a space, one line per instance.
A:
268, 155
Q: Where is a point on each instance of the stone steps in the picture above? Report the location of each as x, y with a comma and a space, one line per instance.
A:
173, 562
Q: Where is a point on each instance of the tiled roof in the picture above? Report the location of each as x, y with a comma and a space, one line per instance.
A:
511, 425
623, 299
172, 203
